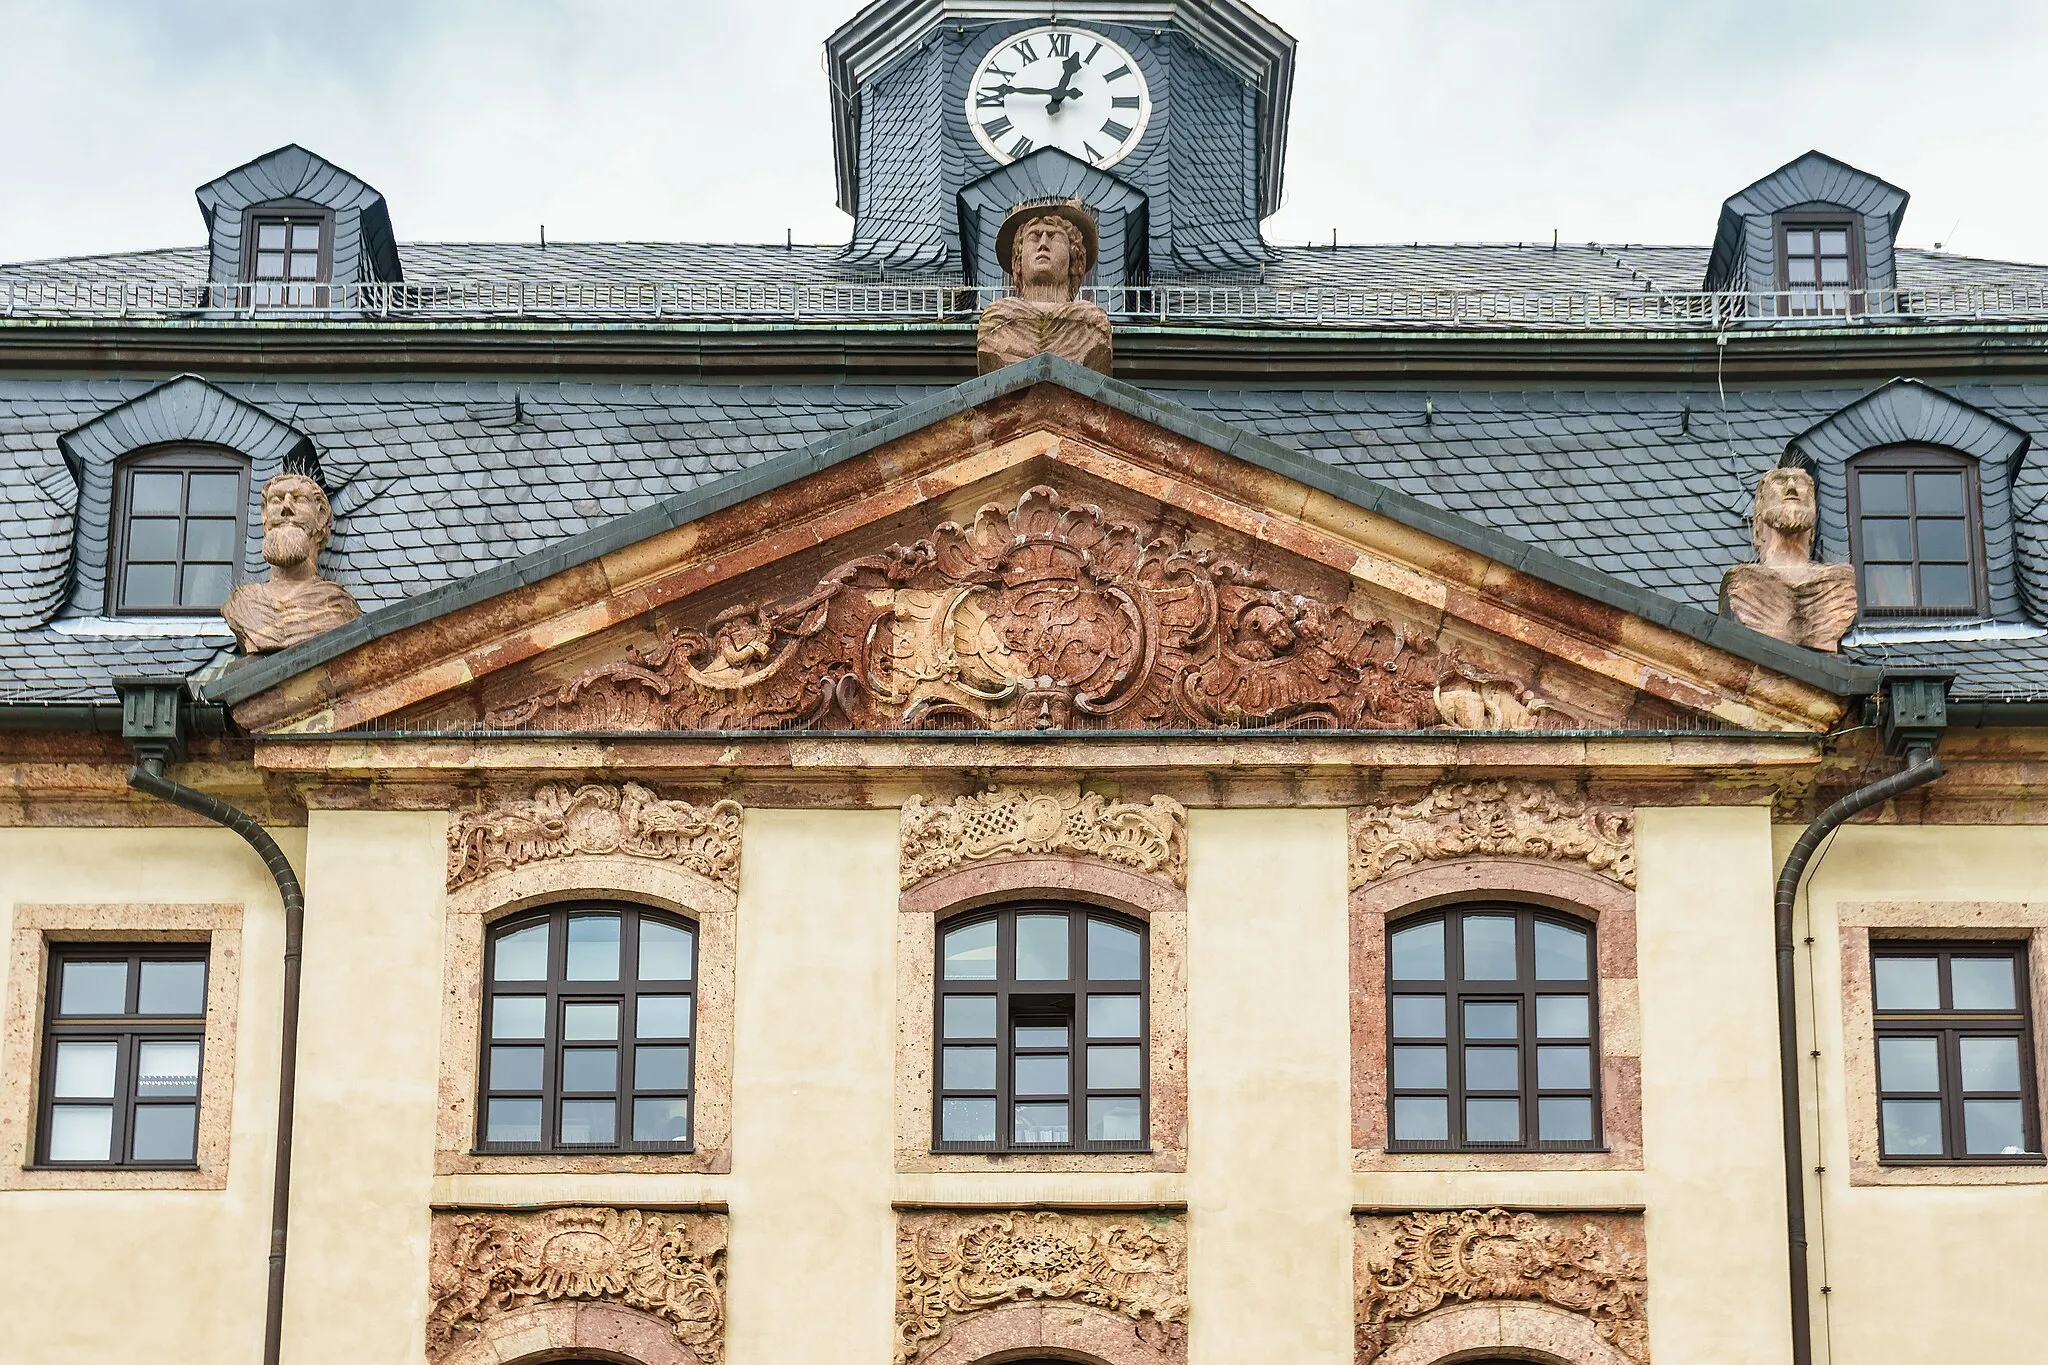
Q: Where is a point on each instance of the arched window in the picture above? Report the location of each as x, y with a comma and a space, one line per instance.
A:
1041, 1031
178, 531
1916, 533
1493, 1031
588, 1025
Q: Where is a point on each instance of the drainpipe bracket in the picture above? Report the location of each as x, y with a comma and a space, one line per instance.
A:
152, 716
1914, 712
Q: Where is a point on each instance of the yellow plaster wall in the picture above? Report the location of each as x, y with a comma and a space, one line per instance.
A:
90, 1275
1919, 1275
1269, 1173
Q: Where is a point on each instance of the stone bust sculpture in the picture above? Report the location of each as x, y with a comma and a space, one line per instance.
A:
1786, 594
1050, 246
294, 603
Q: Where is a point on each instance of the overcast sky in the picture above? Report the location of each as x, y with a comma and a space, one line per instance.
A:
706, 120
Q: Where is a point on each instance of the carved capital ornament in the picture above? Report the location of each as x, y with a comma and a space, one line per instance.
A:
1500, 819
559, 820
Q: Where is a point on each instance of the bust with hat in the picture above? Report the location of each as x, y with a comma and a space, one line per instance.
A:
1049, 245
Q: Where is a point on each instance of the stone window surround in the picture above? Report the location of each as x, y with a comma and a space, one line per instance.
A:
1860, 922
1086, 881
473, 908
36, 927
1553, 886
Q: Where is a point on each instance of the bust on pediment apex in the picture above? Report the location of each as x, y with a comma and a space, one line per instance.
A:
1050, 246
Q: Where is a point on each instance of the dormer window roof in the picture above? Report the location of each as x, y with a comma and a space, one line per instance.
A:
291, 229
1814, 238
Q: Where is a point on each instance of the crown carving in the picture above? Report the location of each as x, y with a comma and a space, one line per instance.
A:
1499, 819
559, 821
1011, 822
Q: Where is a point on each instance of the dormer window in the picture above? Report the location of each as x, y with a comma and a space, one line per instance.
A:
292, 258
1917, 533
1818, 268
178, 532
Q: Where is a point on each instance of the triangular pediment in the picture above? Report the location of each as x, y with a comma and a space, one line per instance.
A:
1041, 549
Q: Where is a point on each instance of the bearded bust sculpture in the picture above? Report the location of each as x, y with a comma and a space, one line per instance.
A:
294, 604
1786, 594
1050, 246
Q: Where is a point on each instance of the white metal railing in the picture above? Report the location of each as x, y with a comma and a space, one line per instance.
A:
905, 301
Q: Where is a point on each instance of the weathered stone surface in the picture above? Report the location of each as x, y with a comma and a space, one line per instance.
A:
1497, 819
1050, 247
1785, 594
1033, 821
558, 820
295, 603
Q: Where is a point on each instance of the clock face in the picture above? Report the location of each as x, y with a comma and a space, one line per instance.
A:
1063, 87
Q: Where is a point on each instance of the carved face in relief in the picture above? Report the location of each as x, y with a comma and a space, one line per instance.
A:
1784, 500
1049, 253
297, 520
1264, 632
742, 638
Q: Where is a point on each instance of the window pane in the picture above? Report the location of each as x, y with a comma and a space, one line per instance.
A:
969, 1068
172, 988
1560, 952
1834, 271
970, 952
663, 1016
164, 1132
1422, 1118
523, 956
1938, 494
1564, 1119
1489, 1019
1041, 947
1418, 952
1114, 1119
513, 1121
970, 1016
1945, 539
1041, 1035
1907, 1064
1992, 1128
1834, 242
85, 1071
81, 1132
305, 236
967, 1121
1887, 538
590, 1121
1112, 1068
270, 266
1799, 271
1912, 1127
519, 1016
164, 1070
206, 585
1799, 242
1981, 983
306, 266
214, 495
593, 948
1038, 1075
94, 988
1112, 952
1420, 1068
1045, 1123
150, 585
1418, 1016
515, 1068
1907, 983
1990, 1064
1947, 585
1109, 1016
661, 1120
1564, 1016
1564, 1068
1493, 1068
590, 1023
153, 538
270, 236
1889, 585
1881, 493
661, 1068
160, 495
210, 538
588, 1069
1489, 947
1493, 1120
665, 952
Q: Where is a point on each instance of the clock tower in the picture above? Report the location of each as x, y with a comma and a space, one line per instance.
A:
1167, 117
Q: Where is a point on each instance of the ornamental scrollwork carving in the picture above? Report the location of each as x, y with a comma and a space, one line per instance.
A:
1005, 822
1494, 819
559, 820
1590, 1264
670, 1265
1132, 1265
1043, 615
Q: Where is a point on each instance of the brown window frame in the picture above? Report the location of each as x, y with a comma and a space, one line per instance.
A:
184, 460
318, 289
1523, 991
1041, 1000
127, 1030
1949, 1026
1912, 459
559, 992
1855, 293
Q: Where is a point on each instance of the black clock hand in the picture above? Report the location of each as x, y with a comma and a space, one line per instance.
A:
1066, 91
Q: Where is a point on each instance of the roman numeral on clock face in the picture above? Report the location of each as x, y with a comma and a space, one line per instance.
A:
988, 99
1026, 53
1062, 44
1118, 74
1124, 102
1022, 145
1116, 130
997, 126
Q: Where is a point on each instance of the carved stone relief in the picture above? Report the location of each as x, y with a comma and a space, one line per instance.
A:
1787, 594
1408, 1265
559, 820
1044, 615
1132, 1265
670, 1265
1494, 819
1006, 822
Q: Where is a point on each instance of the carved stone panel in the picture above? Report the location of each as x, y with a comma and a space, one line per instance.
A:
1033, 821
952, 1264
1591, 1264
1042, 615
559, 820
1494, 819
669, 1265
